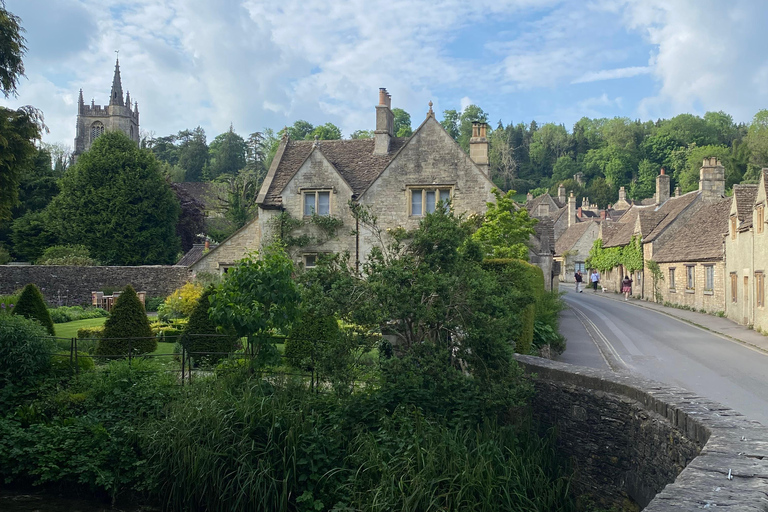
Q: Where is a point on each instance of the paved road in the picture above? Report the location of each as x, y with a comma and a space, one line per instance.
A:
604, 333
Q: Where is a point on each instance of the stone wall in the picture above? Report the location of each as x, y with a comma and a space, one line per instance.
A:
711, 301
62, 285
642, 442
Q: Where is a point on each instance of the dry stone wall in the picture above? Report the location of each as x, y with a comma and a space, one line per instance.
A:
639, 442
64, 285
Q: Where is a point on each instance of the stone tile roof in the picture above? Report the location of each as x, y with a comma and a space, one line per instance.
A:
616, 234
649, 219
354, 159
570, 236
670, 209
615, 215
544, 231
745, 200
193, 255
701, 238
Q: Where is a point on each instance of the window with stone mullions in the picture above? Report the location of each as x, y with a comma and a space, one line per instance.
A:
317, 202
691, 275
424, 200
709, 278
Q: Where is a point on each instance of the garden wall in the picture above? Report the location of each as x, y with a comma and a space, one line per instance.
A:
663, 448
63, 285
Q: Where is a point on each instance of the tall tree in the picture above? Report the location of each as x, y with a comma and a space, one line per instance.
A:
12, 50
757, 140
227, 153
402, 123
193, 153
327, 131
115, 202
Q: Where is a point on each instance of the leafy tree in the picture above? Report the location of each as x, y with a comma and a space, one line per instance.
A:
549, 143
645, 184
308, 334
31, 304
686, 129
31, 234
203, 335
298, 131
165, 148
227, 153
506, 228
757, 139
127, 328
238, 198
25, 351
361, 134
73, 255
12, 50
193, 153
451, 123
257, 148
18, 131
658, 148
258, 296
402, 123
503, 158
723, 126
328, 131
687, 175
115, 202
615, 164
470, 114
601, 193
564, 169
191, 221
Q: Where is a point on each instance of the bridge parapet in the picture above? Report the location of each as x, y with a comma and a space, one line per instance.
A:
663, 448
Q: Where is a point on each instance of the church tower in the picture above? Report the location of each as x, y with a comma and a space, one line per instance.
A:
93, 120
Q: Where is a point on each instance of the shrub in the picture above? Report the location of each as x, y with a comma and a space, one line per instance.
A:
202, 335
90, 332
524, 338
181, 302
25, 350
32, 305
8, 302
126, 328
74, 255
152, 303
65, 314
5, 256
61, 364
306, 340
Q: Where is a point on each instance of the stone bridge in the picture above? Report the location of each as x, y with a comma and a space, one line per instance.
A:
642, 442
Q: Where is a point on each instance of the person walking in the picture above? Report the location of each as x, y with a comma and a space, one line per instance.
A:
626, 287
595, 278
579, 280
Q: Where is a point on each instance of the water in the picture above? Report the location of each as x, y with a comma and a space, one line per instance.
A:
11, 501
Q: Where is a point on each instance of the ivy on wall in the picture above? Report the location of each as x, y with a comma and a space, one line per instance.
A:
604, 259
285, 227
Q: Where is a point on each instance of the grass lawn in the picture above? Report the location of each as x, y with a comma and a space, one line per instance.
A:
69, 329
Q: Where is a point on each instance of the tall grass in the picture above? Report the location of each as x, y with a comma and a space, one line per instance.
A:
255, 446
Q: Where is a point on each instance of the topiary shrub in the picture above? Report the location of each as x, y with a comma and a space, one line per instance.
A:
62, 365
202, 335
32, 305
301, 347
25, 350
524, 338
126, 328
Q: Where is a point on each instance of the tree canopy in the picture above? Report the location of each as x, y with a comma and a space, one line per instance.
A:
116, 203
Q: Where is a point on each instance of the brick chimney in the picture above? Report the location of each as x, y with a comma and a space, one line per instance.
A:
578, 212
478, 146
561, 194
712, 179
662, 187
571, 210
385, 123
602, 214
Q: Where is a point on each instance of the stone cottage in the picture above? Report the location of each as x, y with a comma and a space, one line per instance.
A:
310, 186
746, 255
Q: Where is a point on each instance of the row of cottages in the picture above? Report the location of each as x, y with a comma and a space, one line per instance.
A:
398, 179
684, 235
746, 255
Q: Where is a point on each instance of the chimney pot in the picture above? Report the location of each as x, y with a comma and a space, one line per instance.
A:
662, 170
382, 96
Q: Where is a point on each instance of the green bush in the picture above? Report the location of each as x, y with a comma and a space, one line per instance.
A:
25, 350
73, 255
524, 338
201, 335
5, 256
64, 314
127, 327
90, 332
152, 303
307, 339
32, 305
61, 364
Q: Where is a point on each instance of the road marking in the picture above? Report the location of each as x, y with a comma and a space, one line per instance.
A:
616, 363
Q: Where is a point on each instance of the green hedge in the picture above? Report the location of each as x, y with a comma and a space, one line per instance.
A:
32, 305
311, 329
126, 328
62, 365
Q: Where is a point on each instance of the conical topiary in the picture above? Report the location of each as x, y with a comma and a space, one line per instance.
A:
32, 305
201, 334
126, 328
307, 340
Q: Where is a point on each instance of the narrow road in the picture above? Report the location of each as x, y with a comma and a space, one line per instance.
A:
609, 334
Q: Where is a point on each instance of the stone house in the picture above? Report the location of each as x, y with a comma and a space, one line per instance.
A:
310, 186
746, 254
573, 246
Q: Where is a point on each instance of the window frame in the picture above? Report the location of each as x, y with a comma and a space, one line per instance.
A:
760, 224
316, 192
437, 189
709, 279
734, 227
759, 289
734, 288
690, 278
672, 279
95, 126
306, 257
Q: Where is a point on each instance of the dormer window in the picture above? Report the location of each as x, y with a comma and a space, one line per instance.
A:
317, 202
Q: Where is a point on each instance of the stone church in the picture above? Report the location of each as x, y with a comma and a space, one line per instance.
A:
93, 120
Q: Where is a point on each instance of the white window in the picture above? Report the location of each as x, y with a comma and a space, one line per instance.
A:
672, 279
317, 202
709, 274
691, 282
425, 200
579, 267
310, 260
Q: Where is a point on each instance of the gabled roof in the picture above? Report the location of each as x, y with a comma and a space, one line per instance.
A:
571, 235
193, 255
744, 195
701, 238
543, 198
649, 219
353, 159
616, 234
671, 208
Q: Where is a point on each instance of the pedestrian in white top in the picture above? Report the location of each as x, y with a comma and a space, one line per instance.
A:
595, 278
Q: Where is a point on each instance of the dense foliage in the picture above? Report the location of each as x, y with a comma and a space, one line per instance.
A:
25, 351
31, 304
202, 335
74, 255
606, 258
127, 330
181, 302
116, 203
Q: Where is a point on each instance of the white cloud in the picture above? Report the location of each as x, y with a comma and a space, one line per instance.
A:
612, 74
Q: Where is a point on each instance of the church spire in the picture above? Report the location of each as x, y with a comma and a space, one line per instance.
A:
116, 98
80, 103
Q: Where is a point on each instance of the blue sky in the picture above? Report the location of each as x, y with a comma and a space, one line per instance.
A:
260, 64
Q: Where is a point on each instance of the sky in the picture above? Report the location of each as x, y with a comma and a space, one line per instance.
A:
255, 64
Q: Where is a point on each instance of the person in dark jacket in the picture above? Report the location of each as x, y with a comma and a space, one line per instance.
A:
626, 287
579, 280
